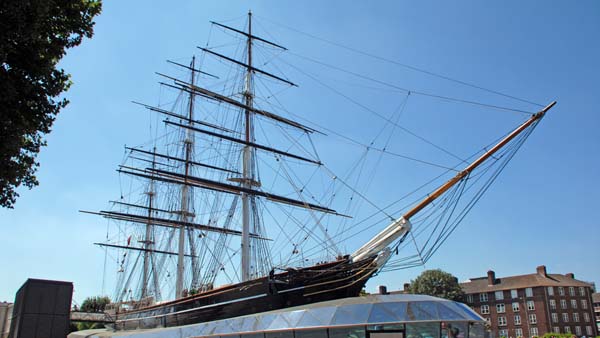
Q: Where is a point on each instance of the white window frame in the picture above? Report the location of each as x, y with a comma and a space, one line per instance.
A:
519, 332
578, 330
554, 317
584, 304
563, 304
582, 291
532, 318
552, 304
586, 317
588, 330
574, 303
499, 295
528, 292
483, 297
565, 317
517, 320
550, 291
485, 309
515, 307
576, 317
571, 291
556, 329
469, 298
567, 329
534, 332
530, 305
514, 294
561, 291
500, 308
501, 321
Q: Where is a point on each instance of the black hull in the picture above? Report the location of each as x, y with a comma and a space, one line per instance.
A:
324, 282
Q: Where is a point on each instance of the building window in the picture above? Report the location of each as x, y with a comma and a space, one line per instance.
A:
483, 297
584, 304
561, 291
554, 317
469, 298
519, 332
503, 333
499, 295
485, 309
530, 305
576, 317
582, 291
571, 291
500, 308
586, 317
513, 294
574, 303
532, 318
533, 331
501, 321
517, 320
550, 291
488, 320
515, 307
529, 292
565, 317
556, 329
578, 330
567, 329
563, 304
588, 330
552, 304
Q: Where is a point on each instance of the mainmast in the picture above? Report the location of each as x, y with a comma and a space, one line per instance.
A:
247, 170
148, 240
185, 195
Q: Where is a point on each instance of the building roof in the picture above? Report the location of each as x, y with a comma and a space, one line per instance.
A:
480, 284
596, 297
368, 310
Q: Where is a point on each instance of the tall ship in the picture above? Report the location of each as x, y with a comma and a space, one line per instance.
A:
229, 209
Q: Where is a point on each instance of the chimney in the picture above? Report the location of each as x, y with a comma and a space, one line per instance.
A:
383, 290
570, 275
406, 287
491, 277
541, 270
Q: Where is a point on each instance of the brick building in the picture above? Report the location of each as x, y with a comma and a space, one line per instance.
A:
533, 304
596, 301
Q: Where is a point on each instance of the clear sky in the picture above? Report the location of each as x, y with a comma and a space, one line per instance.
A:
542, 210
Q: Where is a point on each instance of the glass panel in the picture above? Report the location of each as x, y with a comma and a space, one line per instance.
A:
381, 313
320, 333
476, 330
352, 314
280, 334
347, 332
423, 330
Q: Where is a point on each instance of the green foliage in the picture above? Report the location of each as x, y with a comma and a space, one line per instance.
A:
34, 36
437, 283
557, 335
94, 304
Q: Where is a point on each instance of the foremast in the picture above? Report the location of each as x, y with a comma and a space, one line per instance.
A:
399, 228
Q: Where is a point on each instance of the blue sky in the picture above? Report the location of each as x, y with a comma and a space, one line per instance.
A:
540, 211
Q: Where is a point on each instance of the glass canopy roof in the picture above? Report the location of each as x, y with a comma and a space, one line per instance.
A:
367, 310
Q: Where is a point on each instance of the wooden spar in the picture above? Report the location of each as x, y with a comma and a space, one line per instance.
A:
192, 69
254, 69
244, 142
254, 37
169, 113
145, 207
222, 98
175, 178
139, 249
169, 223
433, 196
180, 160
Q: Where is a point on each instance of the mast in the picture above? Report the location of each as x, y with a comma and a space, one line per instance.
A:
185, 195
148, 242
247, 174
398, 228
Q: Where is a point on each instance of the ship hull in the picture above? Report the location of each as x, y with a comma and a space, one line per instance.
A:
319, 283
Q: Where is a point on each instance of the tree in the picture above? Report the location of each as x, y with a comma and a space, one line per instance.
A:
34, 36
437, 283
94, 304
